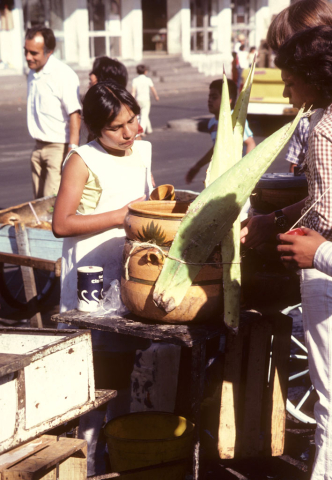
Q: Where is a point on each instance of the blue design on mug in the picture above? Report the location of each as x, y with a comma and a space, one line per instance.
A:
89, 288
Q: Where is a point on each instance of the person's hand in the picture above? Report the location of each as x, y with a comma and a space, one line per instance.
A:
122, 212
157, 98
257, 230
191, 174
299, 251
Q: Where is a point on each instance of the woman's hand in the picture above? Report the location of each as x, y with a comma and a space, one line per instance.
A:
122, 212
299, 251
257, 230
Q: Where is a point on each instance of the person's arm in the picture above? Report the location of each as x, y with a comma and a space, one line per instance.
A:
74, 128
65, 221
191, 174
133, 91
250, 144
300, 251
154, 91
292, 167
261, 228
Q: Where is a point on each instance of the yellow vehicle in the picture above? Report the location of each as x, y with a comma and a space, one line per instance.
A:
266, 94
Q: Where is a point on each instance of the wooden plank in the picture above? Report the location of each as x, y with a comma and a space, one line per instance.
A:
27, 274
49, 457
228, 435
278, 385
177, 334
74, 467
102, 396
23, 451
256, 384
23, 260
10, 363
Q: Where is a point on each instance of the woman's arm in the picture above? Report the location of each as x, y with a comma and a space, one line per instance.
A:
65, 221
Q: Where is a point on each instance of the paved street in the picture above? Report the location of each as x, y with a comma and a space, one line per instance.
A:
174, 152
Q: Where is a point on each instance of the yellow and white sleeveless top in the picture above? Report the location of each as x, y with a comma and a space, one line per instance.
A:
113, 183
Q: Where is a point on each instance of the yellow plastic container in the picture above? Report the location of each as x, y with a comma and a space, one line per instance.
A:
149, 438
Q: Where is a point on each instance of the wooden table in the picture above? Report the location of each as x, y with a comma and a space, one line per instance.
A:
193, 337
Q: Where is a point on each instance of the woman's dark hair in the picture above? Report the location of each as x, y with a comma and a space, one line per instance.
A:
46, 33
106, 68
308, 54
232, 88
102, 104
299, 16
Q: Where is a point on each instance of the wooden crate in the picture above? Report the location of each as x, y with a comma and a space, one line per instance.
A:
46, 378
45, 458
42, 243
254, 389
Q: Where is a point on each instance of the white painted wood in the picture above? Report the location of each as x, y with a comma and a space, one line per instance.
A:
56, 383
56, 386
20, 344
8, 405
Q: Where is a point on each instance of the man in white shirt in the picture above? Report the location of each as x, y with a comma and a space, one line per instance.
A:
53, 110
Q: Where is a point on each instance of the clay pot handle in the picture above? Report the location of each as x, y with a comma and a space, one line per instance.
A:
155, 256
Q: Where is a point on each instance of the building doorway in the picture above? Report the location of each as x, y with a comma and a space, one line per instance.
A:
154, 25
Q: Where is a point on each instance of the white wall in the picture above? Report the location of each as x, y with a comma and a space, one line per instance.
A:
132, 30
173, 26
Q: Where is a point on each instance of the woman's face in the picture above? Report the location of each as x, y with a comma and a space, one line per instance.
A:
121, 133
300, 92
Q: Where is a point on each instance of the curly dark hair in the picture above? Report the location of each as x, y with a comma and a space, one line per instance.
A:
102, 104
308, 54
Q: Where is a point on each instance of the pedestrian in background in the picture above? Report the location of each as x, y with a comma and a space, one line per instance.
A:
141, 91
251, 55
106, 68
53, 110
214, 101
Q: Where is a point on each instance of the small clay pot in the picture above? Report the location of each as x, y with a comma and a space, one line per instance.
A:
163, 192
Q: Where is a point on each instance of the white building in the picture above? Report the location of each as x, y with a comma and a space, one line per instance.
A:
202, 31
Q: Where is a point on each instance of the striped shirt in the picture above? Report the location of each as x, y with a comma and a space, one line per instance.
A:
323, 258
318, 169
298, 144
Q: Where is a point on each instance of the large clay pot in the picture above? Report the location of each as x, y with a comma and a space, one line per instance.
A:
159, 221
202, 301
155, 220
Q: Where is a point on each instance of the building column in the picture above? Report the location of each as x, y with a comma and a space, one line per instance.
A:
12, 41
132, 30
225, 27
173, 26
75, 29
262, 20
185, 29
